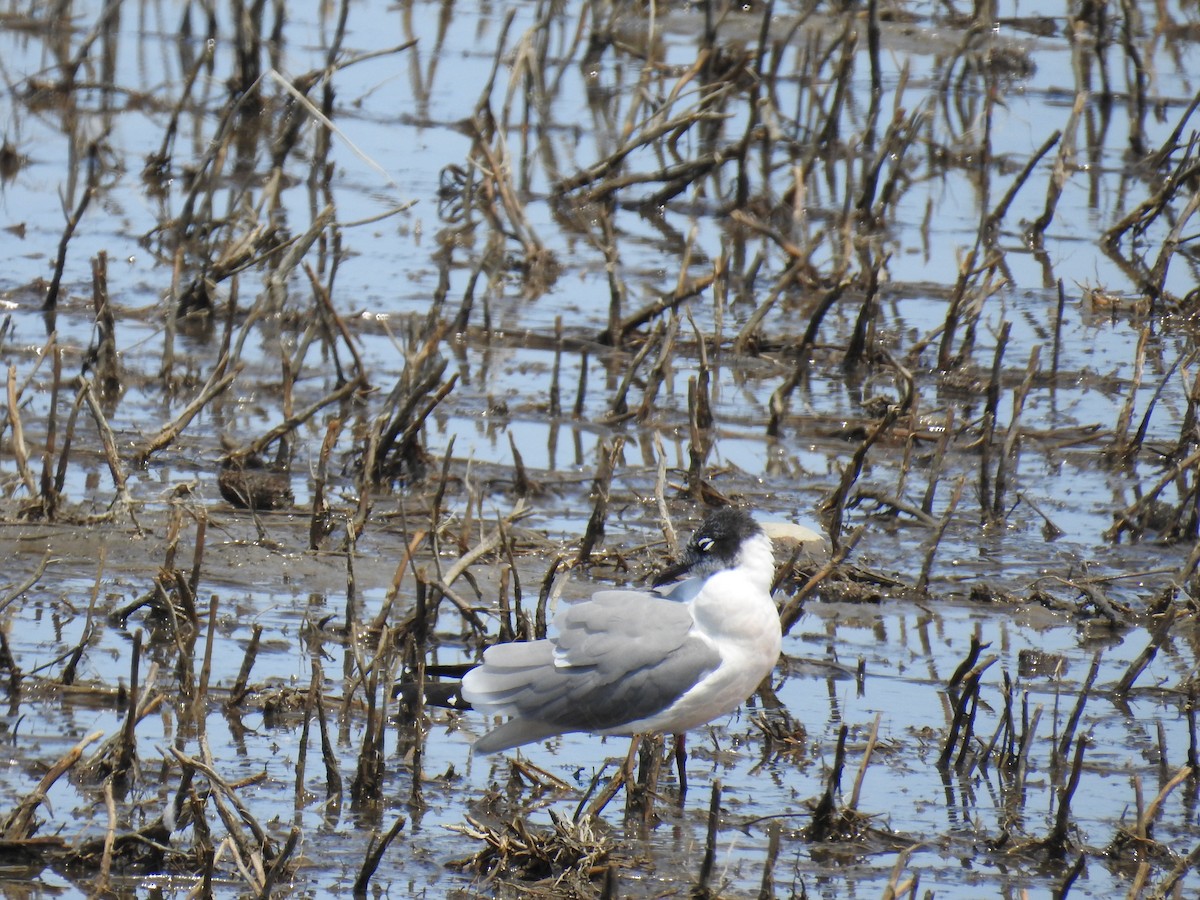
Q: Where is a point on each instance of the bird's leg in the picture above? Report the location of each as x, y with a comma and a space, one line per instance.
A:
681, 764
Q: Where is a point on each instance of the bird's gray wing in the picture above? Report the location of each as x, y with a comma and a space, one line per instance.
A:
617, 658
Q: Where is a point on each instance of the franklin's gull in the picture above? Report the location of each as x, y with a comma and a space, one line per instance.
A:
632, 662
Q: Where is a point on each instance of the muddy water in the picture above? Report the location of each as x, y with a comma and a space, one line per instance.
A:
574, 82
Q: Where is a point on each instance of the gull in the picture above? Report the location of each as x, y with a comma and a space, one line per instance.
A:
632, 662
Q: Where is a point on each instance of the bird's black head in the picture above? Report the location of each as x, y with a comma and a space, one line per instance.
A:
714, 546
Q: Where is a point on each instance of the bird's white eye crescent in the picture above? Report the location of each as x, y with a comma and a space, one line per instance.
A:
705, 544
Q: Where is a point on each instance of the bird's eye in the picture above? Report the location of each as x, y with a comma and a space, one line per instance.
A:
705, 544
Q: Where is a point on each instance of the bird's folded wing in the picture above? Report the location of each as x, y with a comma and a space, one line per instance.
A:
620, 631
619, 657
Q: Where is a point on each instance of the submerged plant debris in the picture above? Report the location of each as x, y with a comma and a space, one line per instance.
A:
343, 340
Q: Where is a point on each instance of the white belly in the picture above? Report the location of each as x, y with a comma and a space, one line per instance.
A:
749, 642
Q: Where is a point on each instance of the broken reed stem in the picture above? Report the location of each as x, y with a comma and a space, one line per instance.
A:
609, 455
110, 837
279, 863
333, 774
618, 410
641, 793
834, 506
1064, 743
239, 691
29, 582
68, 674
389, 599
782, 394
866, 761
1143, 659
1059, 175
1007, 464
375, 851
660, 498
263, 846
216, 385
1058, 842
936, 540
825, 813
127, 754
766, 890
792, 610
201, 699
47, 495
894, 888
20, 824
988, 428
60, 262
19, 450
997, 215
292, 422
1126, 449
1146, 819
1026, 746
970, 687
710, 843
1127, 519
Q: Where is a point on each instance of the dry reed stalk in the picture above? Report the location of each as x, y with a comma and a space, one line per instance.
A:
333, 775
1006, 466
294, 421
685, 290
218, 382
1124, 448
935, 541
790, 614
1128, 519
48, 496
201, 698
1157, 638
93, 174
618, 409
1064, 743
610, 454
89, 633
660, 498
385, 611
21, 823
110, 837
1063, 161
36, 576
640, 793
19, 449
824, 824
856, 792
988, 428
279, 865
375, 851
1157, 280
256, 849
367, 787
834, 505
782, 394
894, 887
959, 734
702, 891
996, 216
239, 690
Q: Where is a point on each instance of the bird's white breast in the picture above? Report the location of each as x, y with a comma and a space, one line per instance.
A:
734, 612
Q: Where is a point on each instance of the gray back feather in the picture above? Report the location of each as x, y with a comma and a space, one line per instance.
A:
619, 657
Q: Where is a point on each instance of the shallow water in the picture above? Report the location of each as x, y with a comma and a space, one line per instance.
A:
404, 113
